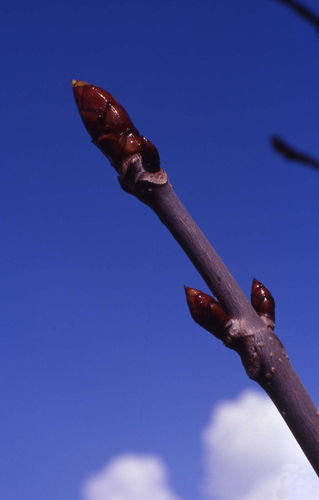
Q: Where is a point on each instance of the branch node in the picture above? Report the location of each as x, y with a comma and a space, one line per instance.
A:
134, 179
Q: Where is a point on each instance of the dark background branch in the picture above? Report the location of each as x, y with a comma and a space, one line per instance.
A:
302, 11
292, 154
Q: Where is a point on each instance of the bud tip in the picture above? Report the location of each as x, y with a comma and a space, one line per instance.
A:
78, 83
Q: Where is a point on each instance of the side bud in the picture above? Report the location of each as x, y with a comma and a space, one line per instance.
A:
207, 312
263, 303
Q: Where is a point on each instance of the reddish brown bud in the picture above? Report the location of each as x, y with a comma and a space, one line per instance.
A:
207, 312
262, 301
111, 128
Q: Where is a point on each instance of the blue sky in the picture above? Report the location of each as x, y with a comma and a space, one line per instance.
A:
99, 356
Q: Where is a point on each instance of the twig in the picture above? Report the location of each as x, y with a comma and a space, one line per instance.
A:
292, 154
302, 11
262, 354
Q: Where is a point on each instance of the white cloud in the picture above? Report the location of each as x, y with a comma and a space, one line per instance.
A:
250, 454
130, 477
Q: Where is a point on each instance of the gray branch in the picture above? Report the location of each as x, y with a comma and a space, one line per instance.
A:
262, 353
263, 356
